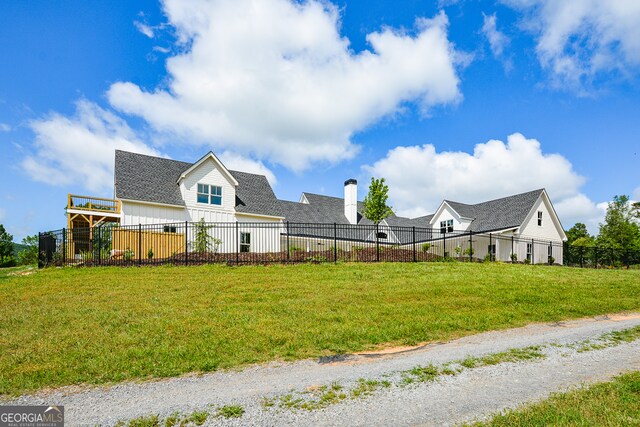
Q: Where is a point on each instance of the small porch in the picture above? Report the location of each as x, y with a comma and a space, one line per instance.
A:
84, 213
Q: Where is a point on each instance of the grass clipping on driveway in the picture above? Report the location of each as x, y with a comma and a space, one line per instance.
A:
100, 325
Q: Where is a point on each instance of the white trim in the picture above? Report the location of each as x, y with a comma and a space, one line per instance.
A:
217, 161
144, 202
456, 214
94, 213
303, 199
552, 213
259, 215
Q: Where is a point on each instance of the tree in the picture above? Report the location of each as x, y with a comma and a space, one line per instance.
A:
620, 229
579, 231
375, 204
6, 248
29, 255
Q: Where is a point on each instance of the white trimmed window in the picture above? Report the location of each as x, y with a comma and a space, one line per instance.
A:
446, 226
245, 242
529, 251
539, 218
209, 194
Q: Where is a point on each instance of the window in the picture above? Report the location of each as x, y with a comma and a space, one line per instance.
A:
210, 194
382, 235
446, 226
245, 242
169, 229
529, 249
540, 218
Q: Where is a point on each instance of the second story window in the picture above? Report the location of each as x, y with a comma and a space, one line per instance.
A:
210, 194
446, 226
540, 218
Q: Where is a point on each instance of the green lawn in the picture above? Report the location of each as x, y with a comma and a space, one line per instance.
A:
615, 403
97, 325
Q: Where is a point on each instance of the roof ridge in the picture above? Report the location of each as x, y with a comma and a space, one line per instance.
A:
509, 197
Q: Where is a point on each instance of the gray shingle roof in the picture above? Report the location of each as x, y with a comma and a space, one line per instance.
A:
497, 214
154, 179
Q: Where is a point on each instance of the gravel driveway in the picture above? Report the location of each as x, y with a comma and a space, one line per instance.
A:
449, 400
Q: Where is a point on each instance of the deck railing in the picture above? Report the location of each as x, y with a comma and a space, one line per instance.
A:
86, 203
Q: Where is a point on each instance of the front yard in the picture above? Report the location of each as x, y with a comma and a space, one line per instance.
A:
98, 325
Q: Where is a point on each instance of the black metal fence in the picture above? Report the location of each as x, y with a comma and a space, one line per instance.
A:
191, 243
600, 257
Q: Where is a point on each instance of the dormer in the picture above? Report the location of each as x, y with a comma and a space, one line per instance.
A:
208, 184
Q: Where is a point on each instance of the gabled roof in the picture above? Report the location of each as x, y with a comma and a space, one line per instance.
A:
221, 167
154, 179
503, 213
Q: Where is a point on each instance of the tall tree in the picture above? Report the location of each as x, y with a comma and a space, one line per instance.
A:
375, 204
620, 229
578, 231
6, 247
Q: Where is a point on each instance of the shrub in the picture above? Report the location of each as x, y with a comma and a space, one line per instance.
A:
426, 247
128, 254
469, 252
514, 257
150, 253
527, 260
552, 260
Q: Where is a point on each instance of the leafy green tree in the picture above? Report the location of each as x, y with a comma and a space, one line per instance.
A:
620, 229
375, 204
578, 231
29, 255
6, 248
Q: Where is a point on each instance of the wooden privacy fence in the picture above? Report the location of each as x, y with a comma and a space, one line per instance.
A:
138, 242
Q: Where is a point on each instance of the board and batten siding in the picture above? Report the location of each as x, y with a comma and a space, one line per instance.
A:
208, 173
447, 213
548, 230
141, 213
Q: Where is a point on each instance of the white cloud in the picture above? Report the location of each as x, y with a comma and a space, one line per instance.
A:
419, 177
636, 194
5, 127
80, 149
240, 163
276, 80
579, 40
144, 29
498, 41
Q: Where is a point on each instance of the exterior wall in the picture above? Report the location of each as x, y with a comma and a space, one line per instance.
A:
447, 213
208, 173
142, 213
548, 230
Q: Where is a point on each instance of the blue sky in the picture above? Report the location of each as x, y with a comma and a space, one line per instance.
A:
314, 93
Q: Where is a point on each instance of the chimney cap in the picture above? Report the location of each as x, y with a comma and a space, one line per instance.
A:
350, 181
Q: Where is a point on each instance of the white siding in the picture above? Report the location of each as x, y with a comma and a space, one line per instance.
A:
447, 213
548, 230
141, 213
208, 173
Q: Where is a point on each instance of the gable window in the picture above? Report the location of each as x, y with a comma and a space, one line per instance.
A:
210, 194
245, 242
540, 218
446, 226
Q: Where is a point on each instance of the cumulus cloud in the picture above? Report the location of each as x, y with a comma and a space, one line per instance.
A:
636, 194
238, 162
276, 79
498, 41
80, 149
579, 40
419, 177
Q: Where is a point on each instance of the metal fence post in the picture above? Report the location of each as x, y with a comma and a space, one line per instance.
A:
490, 247
444, 244
413, 235
64, 247
550, 255
99, 244
335, 243
186, 243
470, 246
512, 249
595, 256
237, 244
581, 257
139, 244
288, 252
377, 244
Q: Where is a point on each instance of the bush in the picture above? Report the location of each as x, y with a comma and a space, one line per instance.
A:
552, 260
426, 247
469, 252
527, 261
514, 257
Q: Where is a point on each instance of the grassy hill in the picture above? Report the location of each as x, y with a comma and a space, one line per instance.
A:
96, 325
